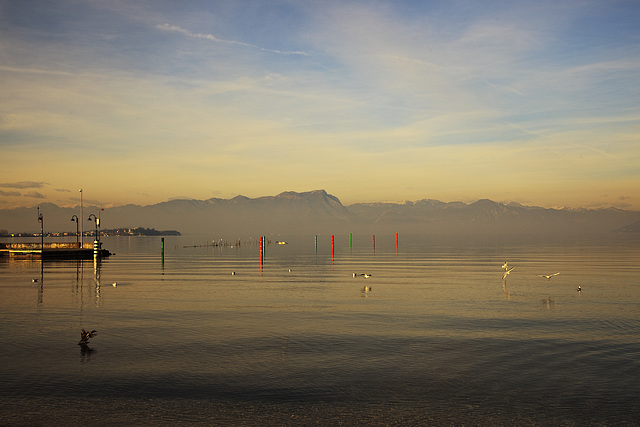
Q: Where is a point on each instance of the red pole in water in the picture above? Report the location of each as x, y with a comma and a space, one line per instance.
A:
374, 242
396, 242
261, 252
332, 246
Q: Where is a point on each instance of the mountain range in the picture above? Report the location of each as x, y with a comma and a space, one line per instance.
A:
319, 212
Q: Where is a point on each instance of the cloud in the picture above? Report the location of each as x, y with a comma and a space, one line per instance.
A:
10, 193
23, 184
35, 71
35, 195
211, 37
505, 101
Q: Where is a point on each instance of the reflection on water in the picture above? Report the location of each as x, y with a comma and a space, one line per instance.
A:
433, 336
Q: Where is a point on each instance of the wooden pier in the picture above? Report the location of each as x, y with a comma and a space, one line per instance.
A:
55, 250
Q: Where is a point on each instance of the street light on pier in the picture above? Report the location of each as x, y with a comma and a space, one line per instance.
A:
41, 221
82, 223
75, 218
95, 218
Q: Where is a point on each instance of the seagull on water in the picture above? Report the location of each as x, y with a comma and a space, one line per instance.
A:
366, 276
549, 276
506, 273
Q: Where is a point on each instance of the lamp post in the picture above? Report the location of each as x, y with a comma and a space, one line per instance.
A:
81, 224
97, 221
41, 221
75, 218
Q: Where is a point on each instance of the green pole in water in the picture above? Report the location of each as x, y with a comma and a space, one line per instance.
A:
316, 243
349, 240
162, 246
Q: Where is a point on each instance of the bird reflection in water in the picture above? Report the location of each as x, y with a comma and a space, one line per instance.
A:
548, 303
85, 350
505, 291
284, 347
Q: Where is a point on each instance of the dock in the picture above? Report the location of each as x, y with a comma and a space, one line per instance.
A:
55, 250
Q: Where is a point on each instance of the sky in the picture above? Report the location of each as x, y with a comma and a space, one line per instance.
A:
533, 102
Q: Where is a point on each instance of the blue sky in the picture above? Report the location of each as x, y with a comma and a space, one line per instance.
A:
147, 101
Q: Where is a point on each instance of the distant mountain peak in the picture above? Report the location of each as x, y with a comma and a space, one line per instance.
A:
484, 203
310, 195
239, 198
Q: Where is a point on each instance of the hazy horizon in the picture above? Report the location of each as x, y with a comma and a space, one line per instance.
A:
87, 204
321, 212
145, 102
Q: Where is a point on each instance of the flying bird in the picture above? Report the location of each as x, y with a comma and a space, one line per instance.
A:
506, 273
505, 266
549, 276
85, 335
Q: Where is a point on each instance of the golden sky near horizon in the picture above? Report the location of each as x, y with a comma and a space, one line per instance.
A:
532, 102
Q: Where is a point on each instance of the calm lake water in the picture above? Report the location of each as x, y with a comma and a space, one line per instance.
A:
440, 339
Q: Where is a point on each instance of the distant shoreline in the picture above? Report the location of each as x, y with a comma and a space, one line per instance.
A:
136, 231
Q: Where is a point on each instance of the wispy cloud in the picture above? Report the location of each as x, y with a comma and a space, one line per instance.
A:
211, 37
23, 184
22, 70
35, 195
